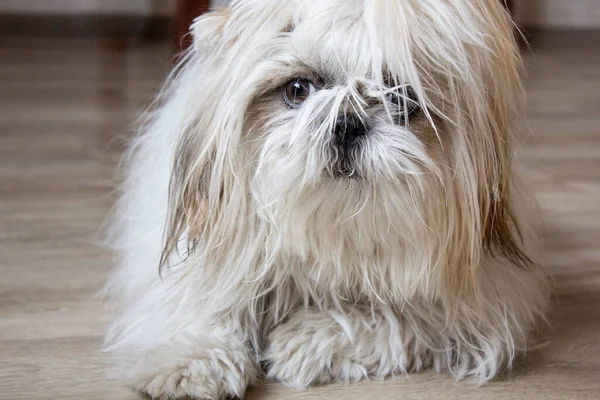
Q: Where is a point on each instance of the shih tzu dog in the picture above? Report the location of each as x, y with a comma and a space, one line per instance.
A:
324, 191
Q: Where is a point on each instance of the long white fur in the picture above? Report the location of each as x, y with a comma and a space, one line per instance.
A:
268, 258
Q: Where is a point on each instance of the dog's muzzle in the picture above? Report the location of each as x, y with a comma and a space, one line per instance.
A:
348, 134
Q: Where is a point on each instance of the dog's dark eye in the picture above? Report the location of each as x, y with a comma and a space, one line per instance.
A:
296, 91
406, 101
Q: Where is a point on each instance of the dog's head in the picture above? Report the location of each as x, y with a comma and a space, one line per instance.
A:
340, 128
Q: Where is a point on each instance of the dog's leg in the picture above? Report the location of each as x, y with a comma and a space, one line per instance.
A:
318, 347
199, 359
315, 346
212, 371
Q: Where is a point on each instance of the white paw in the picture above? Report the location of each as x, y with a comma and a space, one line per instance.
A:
310, 350
216, 377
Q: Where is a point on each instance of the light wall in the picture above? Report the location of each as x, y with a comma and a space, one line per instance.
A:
220, 3
559, 14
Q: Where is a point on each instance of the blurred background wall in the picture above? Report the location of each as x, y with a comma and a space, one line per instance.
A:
123, 19
558, 14
562, 14
54, 7
155, 18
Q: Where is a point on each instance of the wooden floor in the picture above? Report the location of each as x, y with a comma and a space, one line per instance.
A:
64, 105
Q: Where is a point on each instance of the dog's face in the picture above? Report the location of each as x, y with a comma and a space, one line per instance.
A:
347, 127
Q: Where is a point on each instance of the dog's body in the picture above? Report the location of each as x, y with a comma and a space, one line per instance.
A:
327, 186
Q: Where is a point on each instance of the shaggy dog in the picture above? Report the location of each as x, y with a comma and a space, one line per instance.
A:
324, 191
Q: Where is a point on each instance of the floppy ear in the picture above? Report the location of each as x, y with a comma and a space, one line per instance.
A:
485, 110
195, 191
190, 183
207, 29
501, 230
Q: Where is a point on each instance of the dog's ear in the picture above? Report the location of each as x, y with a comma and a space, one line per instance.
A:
500, 226
195, 192
207, 29
487, 110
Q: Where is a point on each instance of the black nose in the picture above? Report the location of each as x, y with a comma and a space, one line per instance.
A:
348, 129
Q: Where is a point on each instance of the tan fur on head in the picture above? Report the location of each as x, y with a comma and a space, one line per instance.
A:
261, 212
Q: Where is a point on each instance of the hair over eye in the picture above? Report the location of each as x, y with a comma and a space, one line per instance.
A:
404, 100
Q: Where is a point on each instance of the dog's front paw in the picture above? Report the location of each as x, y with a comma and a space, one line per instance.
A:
215, 377
311, 349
